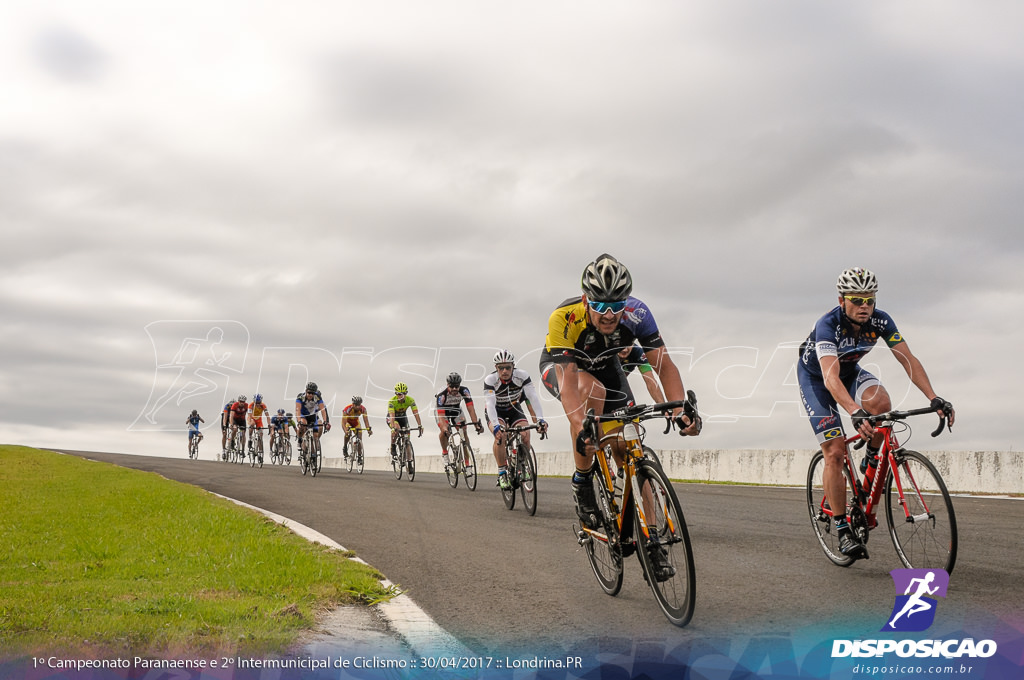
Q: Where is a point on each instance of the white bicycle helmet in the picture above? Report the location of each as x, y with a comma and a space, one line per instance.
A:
504, 357
856, 280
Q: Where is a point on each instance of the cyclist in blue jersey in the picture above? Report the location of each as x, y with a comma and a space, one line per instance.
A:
309, 407
830, 375
193, 421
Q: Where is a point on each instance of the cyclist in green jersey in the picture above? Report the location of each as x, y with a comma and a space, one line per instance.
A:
398, 405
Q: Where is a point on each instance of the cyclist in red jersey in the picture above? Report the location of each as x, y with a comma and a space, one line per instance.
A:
350, 420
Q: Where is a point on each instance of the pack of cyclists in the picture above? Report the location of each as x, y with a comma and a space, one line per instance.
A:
594, 340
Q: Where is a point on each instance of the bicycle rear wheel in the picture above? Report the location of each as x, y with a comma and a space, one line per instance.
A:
924, 530
605, 552
666, 529
469, 466
357, 453
527, 477
821, 521
410, 461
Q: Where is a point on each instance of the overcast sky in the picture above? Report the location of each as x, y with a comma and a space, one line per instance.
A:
211, 198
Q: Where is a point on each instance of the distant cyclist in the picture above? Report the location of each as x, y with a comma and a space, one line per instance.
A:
830, 375
309, 410
282, 423
235, 417
448, 411
225, 419
398, 406
350, 421
258, 413
506, 391
193, 421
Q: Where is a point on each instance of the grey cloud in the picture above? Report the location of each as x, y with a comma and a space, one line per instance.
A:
70, 56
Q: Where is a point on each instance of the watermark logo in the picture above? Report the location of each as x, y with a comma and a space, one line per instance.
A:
193, 359
914, 609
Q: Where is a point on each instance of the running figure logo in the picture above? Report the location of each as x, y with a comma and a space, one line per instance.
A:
915, 608
193, 359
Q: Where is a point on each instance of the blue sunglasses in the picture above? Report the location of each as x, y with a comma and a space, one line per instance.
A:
602, 307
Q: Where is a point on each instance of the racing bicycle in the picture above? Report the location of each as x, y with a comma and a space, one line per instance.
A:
640, 512
403, 458
463, 460
256, 447
236, 445
193, 445
522, 468
354, 450
280, 448
310, 456
918, 510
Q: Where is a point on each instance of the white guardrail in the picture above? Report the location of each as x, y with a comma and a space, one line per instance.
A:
987, 472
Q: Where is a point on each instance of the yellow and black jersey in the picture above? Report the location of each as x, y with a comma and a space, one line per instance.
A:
571, 337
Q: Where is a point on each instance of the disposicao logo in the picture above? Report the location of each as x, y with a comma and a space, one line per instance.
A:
914, 611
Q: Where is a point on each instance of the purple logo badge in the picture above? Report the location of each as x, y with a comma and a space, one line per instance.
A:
916, 590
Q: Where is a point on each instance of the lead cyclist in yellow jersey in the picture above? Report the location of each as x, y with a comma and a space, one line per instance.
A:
585, 336
257, 411
398, 405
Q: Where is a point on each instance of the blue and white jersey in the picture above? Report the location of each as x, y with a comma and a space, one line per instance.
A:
307, 406
834, 336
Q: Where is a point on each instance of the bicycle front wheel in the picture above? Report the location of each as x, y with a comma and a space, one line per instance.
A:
923, 531
315, 457
469, 466
605, 551
820, 511
410, 461
509, 495
527, 474
451, 470
396, 460
304, 455
259, 452
357, 453
351, 454
660, 526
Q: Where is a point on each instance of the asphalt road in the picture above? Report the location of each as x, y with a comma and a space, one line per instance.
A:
501, 580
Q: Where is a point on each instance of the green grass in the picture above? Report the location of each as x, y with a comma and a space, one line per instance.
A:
97, 558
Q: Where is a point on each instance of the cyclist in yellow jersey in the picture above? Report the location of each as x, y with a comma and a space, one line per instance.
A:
585, 336
398, 405
255, 417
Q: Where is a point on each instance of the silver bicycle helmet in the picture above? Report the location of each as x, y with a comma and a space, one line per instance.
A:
606, 280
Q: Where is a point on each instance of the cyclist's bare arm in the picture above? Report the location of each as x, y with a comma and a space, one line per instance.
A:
671, 381
915, 371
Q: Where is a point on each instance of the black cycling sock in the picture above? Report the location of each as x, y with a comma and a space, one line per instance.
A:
581, 477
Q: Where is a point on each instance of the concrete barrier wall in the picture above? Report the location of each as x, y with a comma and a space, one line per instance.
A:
991, 472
